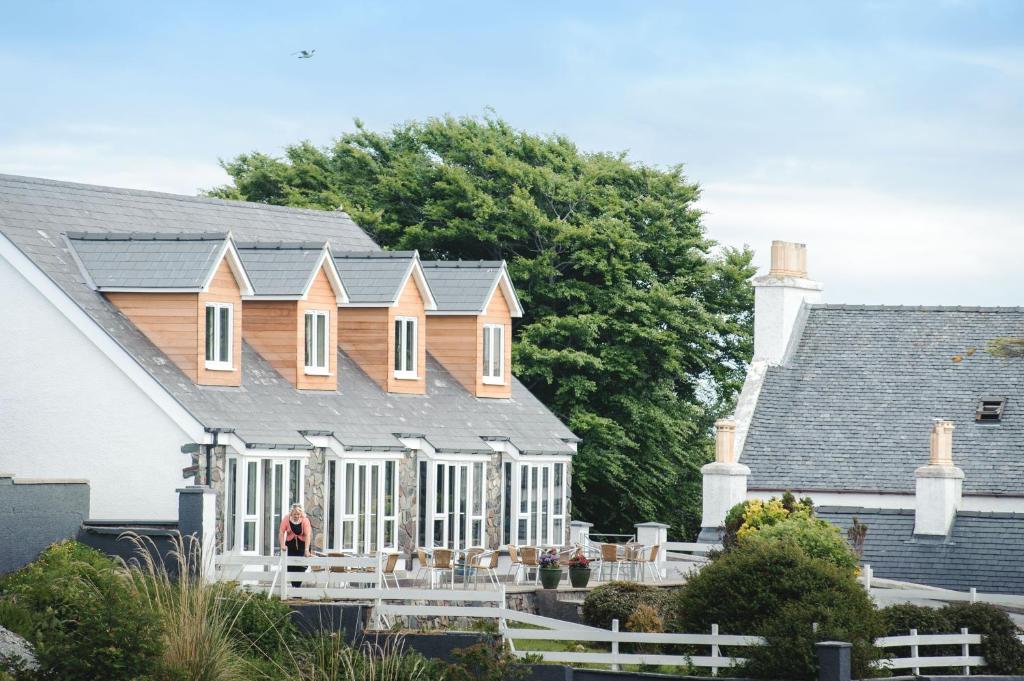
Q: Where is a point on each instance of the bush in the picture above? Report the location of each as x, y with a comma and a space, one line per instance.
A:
774, 589
817, 538
619, 600
898, 620
1002, 650
84, 615
261, 623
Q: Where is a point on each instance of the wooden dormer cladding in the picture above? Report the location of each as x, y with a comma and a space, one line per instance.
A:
457, 341
291, 321
176, 323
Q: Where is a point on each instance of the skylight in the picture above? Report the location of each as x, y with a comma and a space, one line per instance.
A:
990, 409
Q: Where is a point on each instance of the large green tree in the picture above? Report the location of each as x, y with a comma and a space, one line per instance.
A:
637, 327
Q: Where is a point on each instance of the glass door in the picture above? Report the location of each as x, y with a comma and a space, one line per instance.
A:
457, 504
368, 504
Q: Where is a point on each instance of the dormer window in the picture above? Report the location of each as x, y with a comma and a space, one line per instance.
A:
494, 353
405, 347
990, 409
318, 337
218, 336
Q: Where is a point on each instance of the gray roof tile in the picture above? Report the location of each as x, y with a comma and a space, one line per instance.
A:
266, 409
461, 286
280, 268
983, 550
373, 276
852, 409
147, 260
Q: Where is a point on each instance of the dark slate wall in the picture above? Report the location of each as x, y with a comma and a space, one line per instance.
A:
35, 515
156, 537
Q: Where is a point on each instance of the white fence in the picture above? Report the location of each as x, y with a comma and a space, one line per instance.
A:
916, 661
325, 578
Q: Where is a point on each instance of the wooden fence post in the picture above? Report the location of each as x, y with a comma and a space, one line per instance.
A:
913, 651
615, 644
716, 652
965, 650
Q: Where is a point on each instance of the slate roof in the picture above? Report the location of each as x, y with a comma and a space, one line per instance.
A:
266, 409
462, 286
373, 276
280, 268
851, 408
148, 260
983, 550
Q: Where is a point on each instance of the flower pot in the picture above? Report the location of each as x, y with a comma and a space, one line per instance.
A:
579, 577
550, 577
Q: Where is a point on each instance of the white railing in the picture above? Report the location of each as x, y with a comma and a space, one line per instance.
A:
325, 577
917, 662
714, 641
692, 552
889, 592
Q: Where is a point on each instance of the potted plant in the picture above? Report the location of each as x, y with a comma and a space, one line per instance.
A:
579, 570
550, 570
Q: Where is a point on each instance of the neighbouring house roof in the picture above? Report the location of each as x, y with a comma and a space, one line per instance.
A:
265, 409
149, 260
983, 550
852, 405
286, 268
466, 287
378, 277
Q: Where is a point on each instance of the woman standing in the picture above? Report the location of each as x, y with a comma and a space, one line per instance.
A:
295, 535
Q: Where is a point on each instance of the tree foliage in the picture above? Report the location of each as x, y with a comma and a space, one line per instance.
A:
636, 329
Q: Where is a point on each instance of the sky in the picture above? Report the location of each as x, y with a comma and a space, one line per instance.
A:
887, 136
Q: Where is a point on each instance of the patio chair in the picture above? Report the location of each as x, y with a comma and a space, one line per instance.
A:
387, 569
466, 568
442, 563
611, 557
647, 559
528, 561
484, 563
423, 557
516, 562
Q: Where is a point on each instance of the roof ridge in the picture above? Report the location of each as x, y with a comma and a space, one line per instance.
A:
147, 236
280, 245
25, 179
468, 264
367, 255
916, 308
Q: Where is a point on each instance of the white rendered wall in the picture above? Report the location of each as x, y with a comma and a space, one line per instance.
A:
777, 303
66, 411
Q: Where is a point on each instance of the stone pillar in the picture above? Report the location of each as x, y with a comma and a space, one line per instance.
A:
579, 532
939, 485
833, 660
197, 517
650, 534
725, 480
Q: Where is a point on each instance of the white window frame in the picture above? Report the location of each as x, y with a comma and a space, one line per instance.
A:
401, 351
216, 364
366, 536
317, 369
455, 470
494, 354
528, 504
242, 516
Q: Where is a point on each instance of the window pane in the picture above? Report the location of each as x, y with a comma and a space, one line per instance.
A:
398, 345
361, 511
389, 533
558, 536
211, 327
389, 488
439, 489
346, 535
225, 334
277, 497
332, 502
478, 533
350, 483
374, 501
232, 494
544, 504
524, 489
523, 537
452, 504
499, 348
250, 489
478, 488
487, 351
249, 540
421, 506
463, 506
321, 341
309, 339
506, 505
410, 345
558, 489
294, 481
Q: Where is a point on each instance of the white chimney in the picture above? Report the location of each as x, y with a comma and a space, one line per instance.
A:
939, 485
725, 481
777, 300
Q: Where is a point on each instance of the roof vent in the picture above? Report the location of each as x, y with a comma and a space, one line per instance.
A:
990, 409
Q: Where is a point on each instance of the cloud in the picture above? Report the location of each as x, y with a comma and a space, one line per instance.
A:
869, 246
109, 165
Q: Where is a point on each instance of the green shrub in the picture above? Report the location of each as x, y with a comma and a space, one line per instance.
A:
85, 617
898, 620
1002, 650
774, 589
261, 623
619, 600
818, 538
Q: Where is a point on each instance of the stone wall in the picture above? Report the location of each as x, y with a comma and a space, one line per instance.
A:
492, 495
314, 488
408, 503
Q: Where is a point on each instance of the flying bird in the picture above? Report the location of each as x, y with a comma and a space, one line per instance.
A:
305, 54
